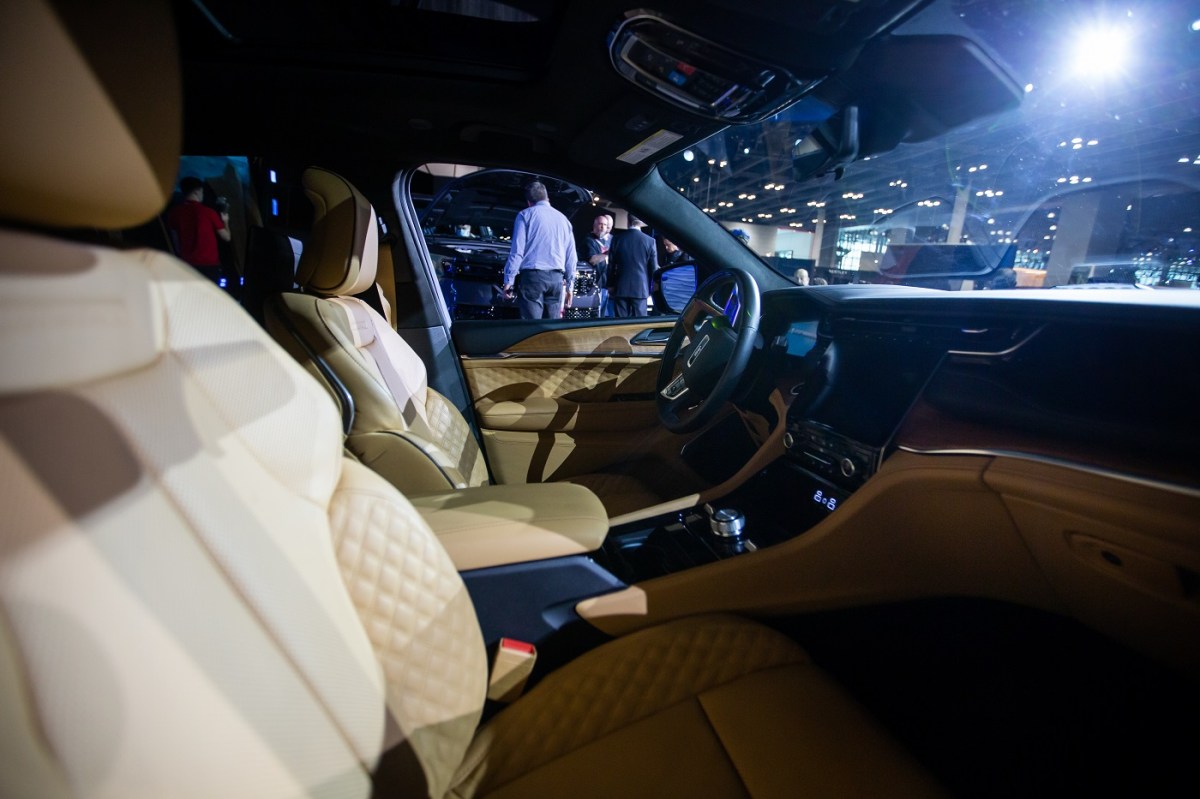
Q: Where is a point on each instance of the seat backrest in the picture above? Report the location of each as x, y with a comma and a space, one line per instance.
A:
199, 595
395, 423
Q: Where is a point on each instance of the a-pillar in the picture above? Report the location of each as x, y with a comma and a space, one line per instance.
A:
816, 252
1089, 229
959, 215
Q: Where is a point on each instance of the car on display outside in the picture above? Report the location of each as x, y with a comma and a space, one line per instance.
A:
891, 491
468, 228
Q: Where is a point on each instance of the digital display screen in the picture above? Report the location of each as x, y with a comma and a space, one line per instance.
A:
826, 499
732, 305
801, 338
814, 498
873, 381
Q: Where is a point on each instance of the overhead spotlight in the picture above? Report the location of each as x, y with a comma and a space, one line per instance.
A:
688, 155
1100, 51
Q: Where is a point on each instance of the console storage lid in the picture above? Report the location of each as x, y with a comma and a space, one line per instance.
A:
499, 524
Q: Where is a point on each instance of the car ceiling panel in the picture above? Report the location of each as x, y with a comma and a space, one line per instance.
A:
401, 77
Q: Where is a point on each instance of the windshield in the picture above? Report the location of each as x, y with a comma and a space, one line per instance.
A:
1091, 179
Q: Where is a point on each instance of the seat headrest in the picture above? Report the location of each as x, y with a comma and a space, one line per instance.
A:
342, 252
93, 112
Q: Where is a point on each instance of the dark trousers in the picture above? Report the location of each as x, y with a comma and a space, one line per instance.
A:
539, 294
628, 307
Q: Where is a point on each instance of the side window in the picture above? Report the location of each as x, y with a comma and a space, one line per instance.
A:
469, 218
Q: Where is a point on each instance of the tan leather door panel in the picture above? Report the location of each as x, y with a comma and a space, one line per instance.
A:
566, 401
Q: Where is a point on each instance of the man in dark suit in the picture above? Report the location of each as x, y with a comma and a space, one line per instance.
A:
632, 260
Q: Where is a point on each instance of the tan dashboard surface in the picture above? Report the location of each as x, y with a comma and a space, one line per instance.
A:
1046, 536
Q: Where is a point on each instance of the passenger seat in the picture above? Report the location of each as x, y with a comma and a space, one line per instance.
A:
395, 423
404, 430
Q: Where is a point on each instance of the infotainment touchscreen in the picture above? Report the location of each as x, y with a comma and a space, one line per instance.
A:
873, 380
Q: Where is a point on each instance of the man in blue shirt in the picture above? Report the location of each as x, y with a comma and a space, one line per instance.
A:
541, 262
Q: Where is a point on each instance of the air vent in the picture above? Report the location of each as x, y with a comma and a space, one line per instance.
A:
973, 337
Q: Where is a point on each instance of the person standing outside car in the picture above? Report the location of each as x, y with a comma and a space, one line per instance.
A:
674, 255
195, 228
540, 269
632, 260
597, 244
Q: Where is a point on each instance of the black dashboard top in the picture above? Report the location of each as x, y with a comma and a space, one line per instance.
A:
1101, 380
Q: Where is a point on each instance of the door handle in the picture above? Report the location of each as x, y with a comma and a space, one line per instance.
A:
652, 335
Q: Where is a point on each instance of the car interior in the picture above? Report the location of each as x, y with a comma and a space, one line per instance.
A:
302, 532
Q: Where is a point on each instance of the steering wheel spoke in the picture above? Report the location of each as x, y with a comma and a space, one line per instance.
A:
700, 309
708, 351
676, 389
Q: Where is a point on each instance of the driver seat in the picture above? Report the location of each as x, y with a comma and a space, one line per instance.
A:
394, 422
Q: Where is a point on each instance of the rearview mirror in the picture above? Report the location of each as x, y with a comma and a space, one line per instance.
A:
831, 147
903, 89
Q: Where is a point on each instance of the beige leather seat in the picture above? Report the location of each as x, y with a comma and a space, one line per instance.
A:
396, 424
200, 596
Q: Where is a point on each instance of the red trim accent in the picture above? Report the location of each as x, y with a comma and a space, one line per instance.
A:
516, 646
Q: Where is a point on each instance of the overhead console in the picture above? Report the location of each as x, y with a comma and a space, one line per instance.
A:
697, 74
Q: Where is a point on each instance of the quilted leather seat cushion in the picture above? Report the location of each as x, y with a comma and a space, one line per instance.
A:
706, 706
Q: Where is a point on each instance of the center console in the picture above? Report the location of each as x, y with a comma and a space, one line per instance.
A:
849, 382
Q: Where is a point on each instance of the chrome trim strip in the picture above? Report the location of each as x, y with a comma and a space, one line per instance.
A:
1145, 482
1002, 353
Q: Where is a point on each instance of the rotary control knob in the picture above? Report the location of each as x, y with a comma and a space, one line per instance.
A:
848, 468
788, 441
727, 523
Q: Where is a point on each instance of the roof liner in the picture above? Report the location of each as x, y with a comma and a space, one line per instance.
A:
401, 80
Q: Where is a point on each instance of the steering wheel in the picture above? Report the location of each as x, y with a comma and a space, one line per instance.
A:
708, 351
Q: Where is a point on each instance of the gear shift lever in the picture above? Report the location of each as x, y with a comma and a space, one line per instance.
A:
726, 522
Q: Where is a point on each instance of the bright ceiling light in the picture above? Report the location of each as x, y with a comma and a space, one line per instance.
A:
1100, 51
688, 155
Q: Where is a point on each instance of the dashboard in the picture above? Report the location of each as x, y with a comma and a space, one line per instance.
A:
1101, 385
